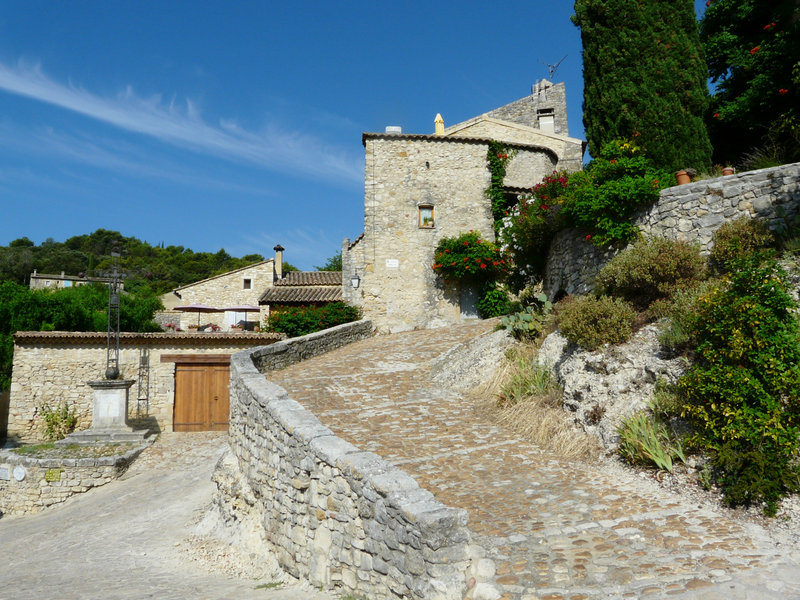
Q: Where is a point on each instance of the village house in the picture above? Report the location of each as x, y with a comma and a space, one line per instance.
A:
49, 281
419, 188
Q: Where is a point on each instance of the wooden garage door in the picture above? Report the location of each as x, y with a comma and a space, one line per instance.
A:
201, 397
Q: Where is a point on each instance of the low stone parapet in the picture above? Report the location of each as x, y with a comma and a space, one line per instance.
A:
335, 515
291, 351
28, 485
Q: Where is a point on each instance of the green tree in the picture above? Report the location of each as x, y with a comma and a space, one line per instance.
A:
753, 53
334, 263
645, 78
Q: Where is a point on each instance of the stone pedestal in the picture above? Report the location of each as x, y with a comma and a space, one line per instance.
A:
109, 416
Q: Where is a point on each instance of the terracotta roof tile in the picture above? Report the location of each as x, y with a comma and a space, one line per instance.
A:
301, 295
126, 338
316, 278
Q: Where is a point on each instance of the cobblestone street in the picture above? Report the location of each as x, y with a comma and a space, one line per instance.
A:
554, 529
123, 541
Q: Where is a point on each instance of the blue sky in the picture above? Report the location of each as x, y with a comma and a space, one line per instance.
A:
238, 125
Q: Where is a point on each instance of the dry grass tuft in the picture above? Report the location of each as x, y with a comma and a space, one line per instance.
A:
525, 398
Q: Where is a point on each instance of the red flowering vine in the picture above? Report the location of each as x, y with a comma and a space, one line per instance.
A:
469, 257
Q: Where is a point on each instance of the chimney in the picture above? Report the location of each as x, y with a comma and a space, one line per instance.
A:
278, 262
438, 124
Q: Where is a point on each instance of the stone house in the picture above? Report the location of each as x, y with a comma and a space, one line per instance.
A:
419, 188
181, 378
239, 287
49, 281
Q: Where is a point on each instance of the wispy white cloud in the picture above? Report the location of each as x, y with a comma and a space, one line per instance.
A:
115, 155
181, 124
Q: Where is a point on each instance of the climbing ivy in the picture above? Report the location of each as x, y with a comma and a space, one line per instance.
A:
498, 155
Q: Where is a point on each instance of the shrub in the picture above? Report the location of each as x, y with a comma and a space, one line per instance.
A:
470, 258
737, 239
57, 423
680, 309
644, 439
301, 320
591, 322
530, 322
602, 198
651, 270
744, 394
529, 227
493, 302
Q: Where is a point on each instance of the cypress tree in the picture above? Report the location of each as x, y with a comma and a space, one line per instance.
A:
645, 78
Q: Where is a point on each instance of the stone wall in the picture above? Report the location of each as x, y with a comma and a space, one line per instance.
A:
544, 95
288, 352
53, 367
334, 515
28, 485
690, 212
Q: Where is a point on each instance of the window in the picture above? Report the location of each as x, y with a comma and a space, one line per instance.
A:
246, 284
547, 121
426, 217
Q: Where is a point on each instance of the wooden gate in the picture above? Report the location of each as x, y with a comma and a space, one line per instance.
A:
201, 393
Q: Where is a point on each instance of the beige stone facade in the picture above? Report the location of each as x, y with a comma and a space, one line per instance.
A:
53, 367
234, 288
421, 188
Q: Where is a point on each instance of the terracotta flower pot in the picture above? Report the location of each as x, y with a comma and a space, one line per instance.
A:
727, 171
682, 177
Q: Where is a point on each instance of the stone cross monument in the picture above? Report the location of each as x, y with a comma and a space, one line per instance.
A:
110, 404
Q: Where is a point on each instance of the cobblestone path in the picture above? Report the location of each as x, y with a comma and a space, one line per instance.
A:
554, 529
123, 541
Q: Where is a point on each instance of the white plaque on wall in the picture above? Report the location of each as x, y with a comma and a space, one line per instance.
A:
19, 473
5, 474
392, 263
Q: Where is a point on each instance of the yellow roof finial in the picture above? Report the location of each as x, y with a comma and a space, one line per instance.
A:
439, 124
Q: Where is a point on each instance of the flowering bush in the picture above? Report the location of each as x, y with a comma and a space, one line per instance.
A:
528, 227
602, 198
470, 258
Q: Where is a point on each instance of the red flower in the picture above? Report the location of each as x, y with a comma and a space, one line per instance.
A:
588, 237
769, 26
783, 91
716, 115
708, 2
754, 50
447, 251
452, 263
544, 207
613, 161
655, 181
466, 243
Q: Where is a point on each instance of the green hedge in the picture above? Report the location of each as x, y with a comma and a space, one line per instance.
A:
300, 320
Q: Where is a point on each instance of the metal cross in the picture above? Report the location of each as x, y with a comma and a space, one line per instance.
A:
112, 333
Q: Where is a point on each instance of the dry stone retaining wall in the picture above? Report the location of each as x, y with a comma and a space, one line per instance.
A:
334, 515
691, 212
28, 485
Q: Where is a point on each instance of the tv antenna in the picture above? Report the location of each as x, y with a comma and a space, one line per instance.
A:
551, 69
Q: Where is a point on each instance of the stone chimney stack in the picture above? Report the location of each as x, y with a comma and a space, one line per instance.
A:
278, 262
